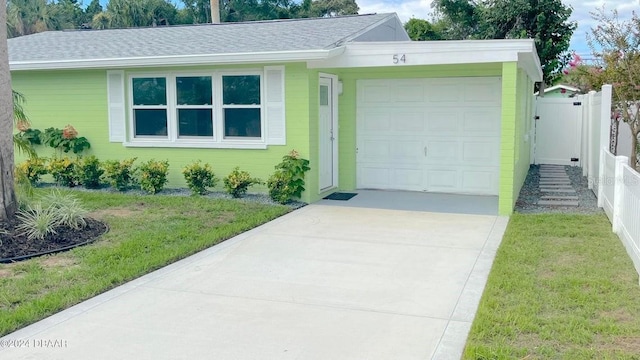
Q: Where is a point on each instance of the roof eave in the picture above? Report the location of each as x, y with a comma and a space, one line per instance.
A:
179, 60
376, 54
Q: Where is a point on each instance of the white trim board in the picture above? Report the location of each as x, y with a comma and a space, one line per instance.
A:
414, 53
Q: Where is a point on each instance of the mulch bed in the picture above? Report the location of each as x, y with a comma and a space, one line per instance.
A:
15, 245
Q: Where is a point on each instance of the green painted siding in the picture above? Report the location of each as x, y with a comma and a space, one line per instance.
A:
79, 98
348, 100
508, 133
517, 112
524, 137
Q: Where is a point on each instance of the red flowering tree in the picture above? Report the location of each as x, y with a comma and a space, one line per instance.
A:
615, 45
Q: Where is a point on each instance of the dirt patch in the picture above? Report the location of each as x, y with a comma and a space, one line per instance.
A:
115, 212
16, 244
57, 261
6, 273
618, 315
625, 344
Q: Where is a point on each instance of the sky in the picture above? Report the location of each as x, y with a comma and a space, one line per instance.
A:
406, 9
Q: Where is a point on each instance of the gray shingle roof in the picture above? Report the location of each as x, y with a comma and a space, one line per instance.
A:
225, 38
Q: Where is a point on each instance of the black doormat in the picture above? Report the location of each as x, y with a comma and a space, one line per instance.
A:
340, 196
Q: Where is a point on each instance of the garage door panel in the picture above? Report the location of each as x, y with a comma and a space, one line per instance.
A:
479, 153
440, 121
444, 93
440, 135
374, 94
375, 149
407, 178
409, 122
410, 151
480, 181
481, 123
480, 94
442, 152
375, 177
376, 122
443, 180
408, 93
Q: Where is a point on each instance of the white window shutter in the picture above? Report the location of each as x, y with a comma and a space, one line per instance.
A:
274, 105
116, 99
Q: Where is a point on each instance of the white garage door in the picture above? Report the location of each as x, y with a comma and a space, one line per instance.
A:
440, 135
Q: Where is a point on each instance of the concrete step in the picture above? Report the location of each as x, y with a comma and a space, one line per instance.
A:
561, 181
554, 177
558, 203
559, 197
555, 183
553, 173
570, 191
556, 187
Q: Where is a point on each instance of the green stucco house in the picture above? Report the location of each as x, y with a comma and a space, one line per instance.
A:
368, 107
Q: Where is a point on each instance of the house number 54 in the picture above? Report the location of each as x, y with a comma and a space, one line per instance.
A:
399, 58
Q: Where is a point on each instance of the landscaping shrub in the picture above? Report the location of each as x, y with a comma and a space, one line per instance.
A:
65, 140
89, 172
32, 169
153, 175
63, 171
36, 221
67, 207
120, 174
238, 182
288, 180
32, 136
55, 209
199, 177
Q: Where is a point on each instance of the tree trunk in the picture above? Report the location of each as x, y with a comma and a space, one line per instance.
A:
8, 203
215, 11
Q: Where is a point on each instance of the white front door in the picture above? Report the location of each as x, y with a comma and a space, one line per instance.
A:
438, 135
327, 132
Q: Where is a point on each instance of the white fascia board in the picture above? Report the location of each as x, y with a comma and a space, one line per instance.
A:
379, 54
530, 62
178, 60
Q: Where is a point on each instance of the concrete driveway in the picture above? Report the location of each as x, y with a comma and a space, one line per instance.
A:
323, 282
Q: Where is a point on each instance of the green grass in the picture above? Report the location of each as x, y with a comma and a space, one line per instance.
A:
561, 287
146, 233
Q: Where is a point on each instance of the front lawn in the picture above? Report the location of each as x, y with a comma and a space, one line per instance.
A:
561, 287
146, 233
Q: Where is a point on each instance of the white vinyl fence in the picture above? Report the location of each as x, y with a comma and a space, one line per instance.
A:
619, 195
597, 124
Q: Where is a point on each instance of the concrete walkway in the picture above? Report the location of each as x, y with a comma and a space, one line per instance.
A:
324, 282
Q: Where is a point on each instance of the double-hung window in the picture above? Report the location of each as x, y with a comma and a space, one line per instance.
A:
241, 106
150, 107
194, 106
225, 109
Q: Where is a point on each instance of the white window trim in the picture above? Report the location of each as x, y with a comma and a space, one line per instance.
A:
218, 140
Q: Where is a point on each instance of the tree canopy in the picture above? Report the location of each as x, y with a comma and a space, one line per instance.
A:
26, 17
423, 30
615, 46
545, 21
